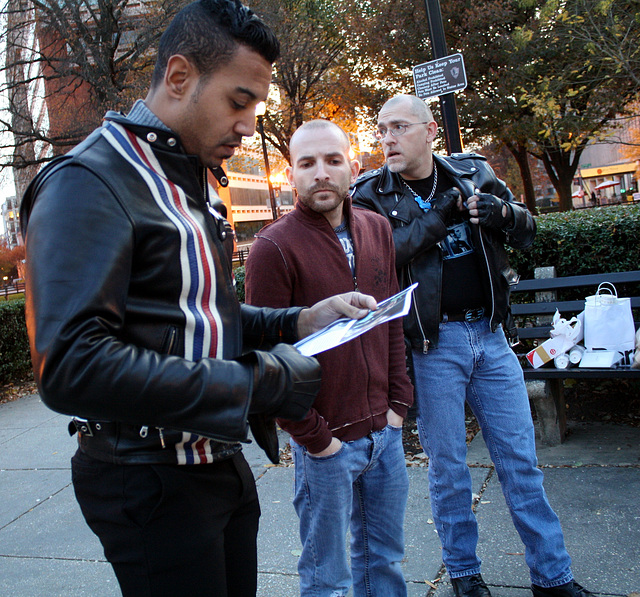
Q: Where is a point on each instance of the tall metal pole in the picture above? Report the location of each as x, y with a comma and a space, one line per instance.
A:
272, 195
450, 122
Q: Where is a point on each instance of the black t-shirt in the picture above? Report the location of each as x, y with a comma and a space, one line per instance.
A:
461, 268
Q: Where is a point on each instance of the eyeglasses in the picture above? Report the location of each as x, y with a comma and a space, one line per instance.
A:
396, 130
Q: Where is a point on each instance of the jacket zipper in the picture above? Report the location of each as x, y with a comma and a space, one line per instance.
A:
425, 342
144, 432
486, 261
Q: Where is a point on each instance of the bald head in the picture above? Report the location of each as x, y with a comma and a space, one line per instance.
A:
406, 130
315, 126
413, 104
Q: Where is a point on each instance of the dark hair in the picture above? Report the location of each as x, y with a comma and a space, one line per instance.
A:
207, 32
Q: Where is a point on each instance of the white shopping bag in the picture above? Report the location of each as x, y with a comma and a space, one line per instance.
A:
608, 321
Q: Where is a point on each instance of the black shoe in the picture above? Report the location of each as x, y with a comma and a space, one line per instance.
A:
470, 586
570, 589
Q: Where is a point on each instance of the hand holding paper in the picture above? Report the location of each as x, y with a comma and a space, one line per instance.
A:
343, 330
350, 305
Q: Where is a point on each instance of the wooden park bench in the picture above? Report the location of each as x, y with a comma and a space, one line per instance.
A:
546, 384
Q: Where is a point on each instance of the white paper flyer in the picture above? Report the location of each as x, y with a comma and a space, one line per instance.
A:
343, 330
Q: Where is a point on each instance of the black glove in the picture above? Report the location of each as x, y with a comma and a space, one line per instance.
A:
445, 203
490, 211
263, 428
285, 383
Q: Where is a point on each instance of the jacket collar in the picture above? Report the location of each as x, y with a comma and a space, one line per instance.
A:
163, 139
390, 182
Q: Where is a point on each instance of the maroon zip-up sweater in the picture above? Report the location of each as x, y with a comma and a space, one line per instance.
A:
297, 261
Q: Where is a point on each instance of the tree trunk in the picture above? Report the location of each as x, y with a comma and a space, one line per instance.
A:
521, 156
561, 166
19, 21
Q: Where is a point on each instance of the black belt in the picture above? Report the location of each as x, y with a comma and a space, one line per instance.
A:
90, 428
468, 315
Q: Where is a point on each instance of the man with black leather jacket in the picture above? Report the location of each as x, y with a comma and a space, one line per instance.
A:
451, 218
135, 327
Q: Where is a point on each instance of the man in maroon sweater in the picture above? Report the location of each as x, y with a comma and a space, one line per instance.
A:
348, 454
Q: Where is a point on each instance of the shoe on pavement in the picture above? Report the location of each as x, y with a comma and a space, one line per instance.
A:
570, 589
470, 586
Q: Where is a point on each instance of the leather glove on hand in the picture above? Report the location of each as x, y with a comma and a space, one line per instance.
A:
490, 211
285, 382
445, 203
285, 385
263, 428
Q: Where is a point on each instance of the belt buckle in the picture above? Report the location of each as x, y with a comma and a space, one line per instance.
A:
83, 426
471, 315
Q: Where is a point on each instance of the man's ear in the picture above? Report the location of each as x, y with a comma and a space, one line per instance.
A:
355, 170
179, 76
432, 131
289, 172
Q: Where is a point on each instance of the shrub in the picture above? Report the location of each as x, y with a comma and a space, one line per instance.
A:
239, 273
15, 359
589, 241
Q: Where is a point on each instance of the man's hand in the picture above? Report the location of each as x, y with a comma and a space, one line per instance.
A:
353, 305
394, 419
489, 210
445, 204
332, 448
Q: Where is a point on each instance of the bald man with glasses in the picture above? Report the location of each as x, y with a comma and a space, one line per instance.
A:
451, 218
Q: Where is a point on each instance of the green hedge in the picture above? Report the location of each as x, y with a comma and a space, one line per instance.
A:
589, 241
15, 360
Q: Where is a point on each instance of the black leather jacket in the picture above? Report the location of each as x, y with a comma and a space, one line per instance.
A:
416, 235
132, 313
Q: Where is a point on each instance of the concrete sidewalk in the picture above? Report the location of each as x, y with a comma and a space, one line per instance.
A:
593, 482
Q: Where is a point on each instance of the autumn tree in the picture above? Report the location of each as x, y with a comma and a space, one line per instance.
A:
66, 64
534, 85
309, 77
10, 259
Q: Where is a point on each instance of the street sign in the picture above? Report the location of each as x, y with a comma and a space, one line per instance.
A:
439, 77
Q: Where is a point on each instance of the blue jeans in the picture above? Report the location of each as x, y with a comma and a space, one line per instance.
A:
363, 486
471, 363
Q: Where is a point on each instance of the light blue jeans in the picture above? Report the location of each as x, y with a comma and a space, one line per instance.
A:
364, 486
471, 363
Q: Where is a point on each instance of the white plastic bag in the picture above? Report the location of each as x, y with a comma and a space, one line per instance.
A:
608, 321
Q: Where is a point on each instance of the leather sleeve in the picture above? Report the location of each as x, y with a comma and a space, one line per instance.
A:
263, 327
80, 249
412, 234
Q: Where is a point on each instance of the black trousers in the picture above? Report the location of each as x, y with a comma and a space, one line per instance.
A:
171, 530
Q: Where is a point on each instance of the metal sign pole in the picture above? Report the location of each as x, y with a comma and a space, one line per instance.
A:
450, 122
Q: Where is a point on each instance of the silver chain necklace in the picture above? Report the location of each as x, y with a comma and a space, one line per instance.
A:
424, 203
